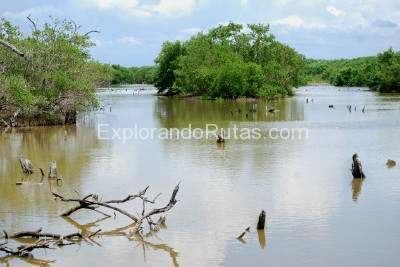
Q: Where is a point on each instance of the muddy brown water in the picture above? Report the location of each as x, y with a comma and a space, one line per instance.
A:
317, 215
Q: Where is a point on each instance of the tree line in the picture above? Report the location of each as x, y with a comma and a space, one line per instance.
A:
229, 61
48, 74
132, 75
380, 73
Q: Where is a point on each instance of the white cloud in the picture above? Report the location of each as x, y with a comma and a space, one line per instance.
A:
173, 7
167, 8
295, 21
128, 40
334, 11
35, 12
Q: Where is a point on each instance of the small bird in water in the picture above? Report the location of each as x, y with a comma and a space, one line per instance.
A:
307, 100
363, 110
330, 106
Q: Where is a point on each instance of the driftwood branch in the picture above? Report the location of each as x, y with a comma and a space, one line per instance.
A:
39, 234
91, 202
167, 207
133, 231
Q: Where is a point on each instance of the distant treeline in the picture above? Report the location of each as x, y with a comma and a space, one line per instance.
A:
132, 75
229, 61
380, 73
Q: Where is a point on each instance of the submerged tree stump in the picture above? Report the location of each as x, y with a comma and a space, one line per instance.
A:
356, 168
52, 170
261, 221
26, 165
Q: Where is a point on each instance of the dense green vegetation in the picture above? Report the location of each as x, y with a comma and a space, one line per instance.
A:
132, 75
381, 73
47, 75
229, 61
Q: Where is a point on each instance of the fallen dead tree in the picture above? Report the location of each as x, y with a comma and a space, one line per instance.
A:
92, 202
133, 231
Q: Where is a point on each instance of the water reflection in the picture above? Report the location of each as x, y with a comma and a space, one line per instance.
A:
356, 186
302, 184
261, 238
182, 112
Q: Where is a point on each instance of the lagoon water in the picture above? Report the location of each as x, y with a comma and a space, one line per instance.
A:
317, 215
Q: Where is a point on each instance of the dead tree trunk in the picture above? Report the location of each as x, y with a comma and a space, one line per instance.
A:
261, 220
52, 170
356, 168
26, 165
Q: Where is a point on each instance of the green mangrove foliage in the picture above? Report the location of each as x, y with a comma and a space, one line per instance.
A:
381, 72
48, 75
132, 75
229, 61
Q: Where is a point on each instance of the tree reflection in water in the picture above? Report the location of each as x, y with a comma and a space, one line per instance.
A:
131, 232
356, 186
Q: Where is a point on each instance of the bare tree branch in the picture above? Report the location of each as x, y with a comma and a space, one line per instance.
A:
89, 32
32, 21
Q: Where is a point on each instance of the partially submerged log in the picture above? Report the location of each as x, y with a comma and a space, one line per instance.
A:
39, 234
356, 168
52, 170
44, 241
261, 221
26, 165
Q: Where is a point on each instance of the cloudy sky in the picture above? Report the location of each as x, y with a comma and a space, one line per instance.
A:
132, 31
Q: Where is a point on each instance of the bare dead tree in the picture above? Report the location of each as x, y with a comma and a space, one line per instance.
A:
26, 165
33, 22
91, 202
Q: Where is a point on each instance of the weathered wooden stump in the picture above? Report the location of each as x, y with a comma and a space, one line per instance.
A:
52, 170
356, 168
220, 138
26, 165
261, 221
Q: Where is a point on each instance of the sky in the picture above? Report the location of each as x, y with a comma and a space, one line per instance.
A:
132, 31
